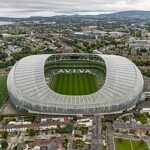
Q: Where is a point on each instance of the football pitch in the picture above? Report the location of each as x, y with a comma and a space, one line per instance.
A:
74, 83
128, 144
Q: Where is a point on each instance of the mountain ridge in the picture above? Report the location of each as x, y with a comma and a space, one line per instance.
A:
118, 15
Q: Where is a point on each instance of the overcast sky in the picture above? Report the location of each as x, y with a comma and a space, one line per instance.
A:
25, 8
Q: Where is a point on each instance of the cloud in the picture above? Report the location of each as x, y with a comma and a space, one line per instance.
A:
23, 8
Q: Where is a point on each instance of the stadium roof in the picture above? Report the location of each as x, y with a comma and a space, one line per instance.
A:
122, 88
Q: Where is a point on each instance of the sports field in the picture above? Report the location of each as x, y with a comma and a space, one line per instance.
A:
74, 83
127, 144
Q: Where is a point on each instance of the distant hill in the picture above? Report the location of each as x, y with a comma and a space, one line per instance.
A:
119, 15
129, 14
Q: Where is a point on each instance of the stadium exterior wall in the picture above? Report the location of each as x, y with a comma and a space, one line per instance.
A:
122, 89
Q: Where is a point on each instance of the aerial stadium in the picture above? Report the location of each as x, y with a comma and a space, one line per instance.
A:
75, 84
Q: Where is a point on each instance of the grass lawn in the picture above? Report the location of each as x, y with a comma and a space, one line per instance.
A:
3, 89
125, 144
122, 144
139, 145
13, 35
74, 83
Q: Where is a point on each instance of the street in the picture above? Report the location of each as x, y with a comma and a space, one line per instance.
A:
131, 125
110, 136
96, 134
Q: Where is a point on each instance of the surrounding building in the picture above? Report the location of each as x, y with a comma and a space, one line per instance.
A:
140, 44
96, 33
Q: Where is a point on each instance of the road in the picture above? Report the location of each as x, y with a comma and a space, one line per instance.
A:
14, 140
110, 136
132, 137
131, 125
70, 142
96, 134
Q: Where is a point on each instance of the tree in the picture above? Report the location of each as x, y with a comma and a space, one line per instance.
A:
2, 64
78, 144
46, 131
132, 131
147, 133
84, 129
1, 117
69, 127
52, 131
3, 55
4, 145
104, 127
124, 118
114, 117
143, 50
65, 143
32, 132
4, 135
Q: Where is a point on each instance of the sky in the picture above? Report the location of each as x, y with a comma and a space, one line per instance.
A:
26, 8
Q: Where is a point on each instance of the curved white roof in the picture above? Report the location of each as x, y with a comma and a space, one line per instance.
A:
122, 88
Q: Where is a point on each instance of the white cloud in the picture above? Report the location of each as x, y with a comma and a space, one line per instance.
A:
22, 8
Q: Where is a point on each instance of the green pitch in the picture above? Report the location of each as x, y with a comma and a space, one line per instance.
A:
128, 144
74, 83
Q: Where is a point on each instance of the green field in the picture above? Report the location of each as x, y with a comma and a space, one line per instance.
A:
74, 83
3, 90
13, 35
122, 144
125, 144
139, 145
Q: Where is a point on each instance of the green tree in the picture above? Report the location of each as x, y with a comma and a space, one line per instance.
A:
124, 118
83, 129
4, 134
52, 131
78, 144
104, 126
148, 133
69, 127
1, 117
132, 131
32, 132
4, 145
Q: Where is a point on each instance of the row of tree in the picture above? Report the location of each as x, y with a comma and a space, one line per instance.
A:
142, 62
